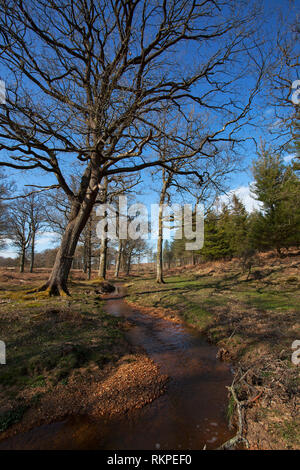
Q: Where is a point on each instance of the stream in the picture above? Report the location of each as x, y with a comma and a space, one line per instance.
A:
190, 415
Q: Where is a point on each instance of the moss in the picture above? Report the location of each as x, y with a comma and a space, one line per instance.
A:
38, 381
196, 315
230, 409
48, 340
289, 430
11, 417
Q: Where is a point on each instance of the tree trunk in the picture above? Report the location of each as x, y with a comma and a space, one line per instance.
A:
103, 258
80, 212
89, 257
89, 248
159, 255
103, 246
118, 260
32, 252
85, 257
128, 264
57, 282
159, 259
22, 259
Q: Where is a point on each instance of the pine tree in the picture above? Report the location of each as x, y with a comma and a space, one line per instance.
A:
167, 253
238, 226
216, 235
295, 146
278, 188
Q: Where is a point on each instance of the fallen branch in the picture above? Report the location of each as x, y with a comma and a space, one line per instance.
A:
238, 438
255, 398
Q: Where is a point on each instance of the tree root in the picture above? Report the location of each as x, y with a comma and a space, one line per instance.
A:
46, 290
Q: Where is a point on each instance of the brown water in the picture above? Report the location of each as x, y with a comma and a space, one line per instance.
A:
191, 414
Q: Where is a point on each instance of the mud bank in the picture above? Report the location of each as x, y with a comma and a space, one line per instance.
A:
91, 370
110, 413
117, 391
253, 323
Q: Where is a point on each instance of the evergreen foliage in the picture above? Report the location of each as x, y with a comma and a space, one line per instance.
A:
230, 231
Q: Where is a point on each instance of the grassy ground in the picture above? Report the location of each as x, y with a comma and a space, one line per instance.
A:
61, 353
254, 321
67, 356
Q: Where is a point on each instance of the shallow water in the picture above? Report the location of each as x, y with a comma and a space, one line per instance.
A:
191, 414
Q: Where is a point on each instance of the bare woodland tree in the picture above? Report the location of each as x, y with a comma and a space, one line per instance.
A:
86, 81
32, 205
5, 190
132, 250
104, 240
118, 258
284, 85
87, 246
20, 229
215, 168
111, 189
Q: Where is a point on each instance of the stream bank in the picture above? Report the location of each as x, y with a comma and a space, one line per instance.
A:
190, 415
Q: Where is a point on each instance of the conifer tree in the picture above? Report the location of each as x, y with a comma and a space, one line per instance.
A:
278, 188
238, 226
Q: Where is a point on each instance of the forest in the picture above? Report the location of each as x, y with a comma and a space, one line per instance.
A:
149, 225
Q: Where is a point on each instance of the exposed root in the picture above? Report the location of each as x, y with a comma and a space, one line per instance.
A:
48, 291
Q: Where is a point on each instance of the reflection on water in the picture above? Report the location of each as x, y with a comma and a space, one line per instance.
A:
190, 415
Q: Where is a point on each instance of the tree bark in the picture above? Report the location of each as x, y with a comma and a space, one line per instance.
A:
32, 252
118, 260
128, 264
57, 282
159, 255
22, 259
103, 258
85, 257
103, 246
89, 249
79, 215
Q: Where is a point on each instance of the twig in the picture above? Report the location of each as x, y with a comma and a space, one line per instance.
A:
256, 398
240, 410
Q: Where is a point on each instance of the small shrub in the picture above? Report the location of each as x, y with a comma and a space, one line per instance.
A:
11, 417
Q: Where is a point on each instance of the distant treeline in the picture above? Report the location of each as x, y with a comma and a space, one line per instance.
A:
230, 231
45, 259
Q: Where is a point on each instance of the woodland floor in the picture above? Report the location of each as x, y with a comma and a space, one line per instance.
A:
61, 351
254, 322
66, 356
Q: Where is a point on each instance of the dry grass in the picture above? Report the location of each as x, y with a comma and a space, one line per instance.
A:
254, 322
63, 354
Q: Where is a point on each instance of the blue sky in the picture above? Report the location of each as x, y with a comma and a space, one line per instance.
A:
238, 181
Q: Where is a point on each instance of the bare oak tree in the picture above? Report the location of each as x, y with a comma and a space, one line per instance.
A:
5, 191
284, 85
178, 182
20, 229
86, 81
32, 205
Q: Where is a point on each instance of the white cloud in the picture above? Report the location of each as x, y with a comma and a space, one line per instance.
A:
44, 241
47, 240
9, 252
244, 194
288, 158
